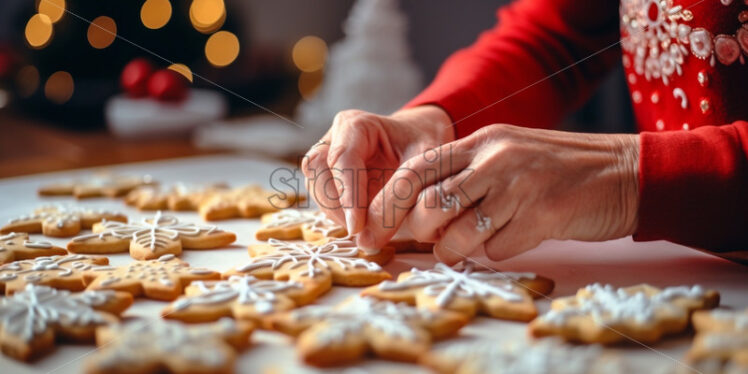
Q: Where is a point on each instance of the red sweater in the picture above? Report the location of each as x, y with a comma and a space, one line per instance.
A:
685, 65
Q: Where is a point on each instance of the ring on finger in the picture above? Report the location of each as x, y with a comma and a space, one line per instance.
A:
483, 222
320, 142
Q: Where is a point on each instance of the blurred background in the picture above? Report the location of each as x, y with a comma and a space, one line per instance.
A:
90, 82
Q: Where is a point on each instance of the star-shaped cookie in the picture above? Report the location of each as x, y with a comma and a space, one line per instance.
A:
329, 336
247, 202
31, 320
604, 314
316, 266
242, 297
161, 279
64, 272
60, 221
721, 342
177, 197
290, 224
150, 238
501, 295
143, 347
102, 184
18, 246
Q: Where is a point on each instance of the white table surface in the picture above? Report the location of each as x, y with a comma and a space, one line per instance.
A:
571, 264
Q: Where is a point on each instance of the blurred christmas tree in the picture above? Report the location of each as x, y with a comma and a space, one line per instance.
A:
73, 51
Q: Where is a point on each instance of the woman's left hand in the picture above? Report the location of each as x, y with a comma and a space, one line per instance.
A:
504, 189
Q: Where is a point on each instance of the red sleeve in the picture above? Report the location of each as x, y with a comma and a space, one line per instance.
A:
693, 187
502, 77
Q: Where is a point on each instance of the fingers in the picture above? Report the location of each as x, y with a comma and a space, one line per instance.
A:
319, 179
516, 237
392, 203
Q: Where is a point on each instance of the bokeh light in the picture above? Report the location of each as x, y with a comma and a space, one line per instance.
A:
182, 69
155, 14
101, 32
27, 80
309, 53
39, 30
222, 48
309, 83
207, 16
54, 9
59, 87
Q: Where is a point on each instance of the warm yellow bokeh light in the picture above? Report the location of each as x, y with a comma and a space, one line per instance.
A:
309, 53
59, 87
101, 32
54, 9
309, 83
155, 14
207, 15
39, 30
182, 69
222, 48
27, 80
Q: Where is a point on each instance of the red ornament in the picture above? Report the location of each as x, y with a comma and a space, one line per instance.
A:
167, 85
135, 77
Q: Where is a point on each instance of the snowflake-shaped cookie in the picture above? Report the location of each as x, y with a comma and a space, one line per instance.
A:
334, 335
498, 294
30, 320
289, 224
604, 314
178, 197
64, 272
144, 346
162, 279
243, 297
150, 238
317, 266
18, 246
60, 221
248, 202
102, 184
721, 342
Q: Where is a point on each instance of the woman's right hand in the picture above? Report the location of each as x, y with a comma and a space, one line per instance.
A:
361, 151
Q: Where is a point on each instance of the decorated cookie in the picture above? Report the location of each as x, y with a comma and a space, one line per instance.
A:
316, 266
150, 238
162, 279
103, 184
60, 221
179, 196
290, 224
64, 272
31, 320
721, 342
604, 314
498, 294
329, 336
486, 356
18, 246
247, 202
242, 297
143, 347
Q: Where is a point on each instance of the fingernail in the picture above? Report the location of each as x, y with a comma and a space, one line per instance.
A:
349, 223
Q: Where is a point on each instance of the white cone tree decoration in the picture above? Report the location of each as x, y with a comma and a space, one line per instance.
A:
369, 69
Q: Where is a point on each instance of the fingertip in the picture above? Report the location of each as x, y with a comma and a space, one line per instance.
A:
446, 255
350, 221
366, 239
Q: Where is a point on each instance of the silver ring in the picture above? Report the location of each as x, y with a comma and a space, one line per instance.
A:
319, 143
484, 223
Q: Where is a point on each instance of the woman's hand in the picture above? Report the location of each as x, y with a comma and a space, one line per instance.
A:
359, 153
504, 189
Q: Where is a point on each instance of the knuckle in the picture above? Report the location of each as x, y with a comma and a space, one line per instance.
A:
335, 152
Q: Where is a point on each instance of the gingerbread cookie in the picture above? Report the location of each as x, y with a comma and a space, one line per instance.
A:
18, 246
247, 202
242, 297
486, 356
329, 336
178, 197
316, 266
721, 342
31, 320
151, 238
64, 272
103, 184
60, 221
603, 314
162, 279
290, 224
142, 347
497, 294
